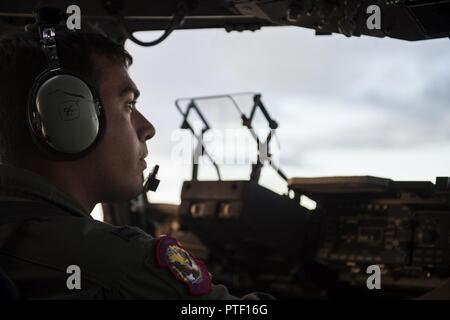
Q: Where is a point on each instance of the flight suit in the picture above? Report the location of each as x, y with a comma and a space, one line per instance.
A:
47, 239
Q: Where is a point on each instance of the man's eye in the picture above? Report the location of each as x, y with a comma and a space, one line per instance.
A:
131, 105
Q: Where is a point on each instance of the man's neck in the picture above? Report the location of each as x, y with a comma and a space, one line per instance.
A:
68, 179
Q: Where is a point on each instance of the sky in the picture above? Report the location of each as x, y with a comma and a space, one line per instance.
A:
345, 106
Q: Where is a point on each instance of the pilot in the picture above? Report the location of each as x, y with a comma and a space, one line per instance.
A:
62, 152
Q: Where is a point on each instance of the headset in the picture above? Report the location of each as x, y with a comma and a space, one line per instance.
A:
64, 112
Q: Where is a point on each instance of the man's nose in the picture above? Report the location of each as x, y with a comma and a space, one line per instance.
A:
146, 130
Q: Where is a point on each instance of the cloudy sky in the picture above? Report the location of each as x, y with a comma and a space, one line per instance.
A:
345, 106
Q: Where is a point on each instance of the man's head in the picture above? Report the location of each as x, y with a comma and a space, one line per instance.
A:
113, 170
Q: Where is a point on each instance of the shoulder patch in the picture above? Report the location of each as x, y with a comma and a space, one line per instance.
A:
190, 271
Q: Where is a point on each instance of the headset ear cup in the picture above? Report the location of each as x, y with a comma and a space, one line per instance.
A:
65, 114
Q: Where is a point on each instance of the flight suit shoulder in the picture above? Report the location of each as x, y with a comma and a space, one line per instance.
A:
121, 258
124, 260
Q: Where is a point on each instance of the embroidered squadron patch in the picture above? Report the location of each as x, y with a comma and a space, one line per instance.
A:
192, 272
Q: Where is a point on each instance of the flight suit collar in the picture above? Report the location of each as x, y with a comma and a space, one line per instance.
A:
26, 185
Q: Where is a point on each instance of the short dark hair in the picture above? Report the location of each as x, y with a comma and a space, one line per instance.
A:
22, 60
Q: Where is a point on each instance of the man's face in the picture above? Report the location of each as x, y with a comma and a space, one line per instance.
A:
119, 157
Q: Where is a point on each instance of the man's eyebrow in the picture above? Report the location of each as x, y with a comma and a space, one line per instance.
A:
131, 89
